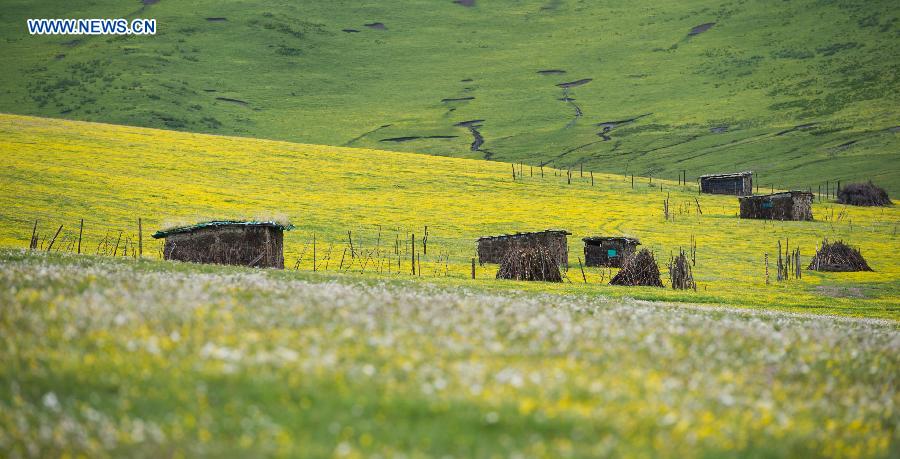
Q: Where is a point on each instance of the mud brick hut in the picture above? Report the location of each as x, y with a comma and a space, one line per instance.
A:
738, 183
257, 244
608, 251
788, 205
492, 249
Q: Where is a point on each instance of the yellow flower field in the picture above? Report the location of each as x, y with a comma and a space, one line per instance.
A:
58, 172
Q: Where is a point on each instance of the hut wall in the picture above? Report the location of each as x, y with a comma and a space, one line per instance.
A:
802, 207
600, 255
780, 207
738, 186
492, 250
259, 246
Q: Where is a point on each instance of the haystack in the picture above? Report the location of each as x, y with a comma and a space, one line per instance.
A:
529, 263
640, 269
863, 194
680, 275
838, 257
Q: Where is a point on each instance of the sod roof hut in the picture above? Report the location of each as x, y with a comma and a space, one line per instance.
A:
788, 205
258, 244
492, 249
608, 251
737, 183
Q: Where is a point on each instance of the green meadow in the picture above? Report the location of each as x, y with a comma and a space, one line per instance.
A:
800, 92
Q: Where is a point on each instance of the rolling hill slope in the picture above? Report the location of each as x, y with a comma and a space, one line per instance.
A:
800, 92
59, 172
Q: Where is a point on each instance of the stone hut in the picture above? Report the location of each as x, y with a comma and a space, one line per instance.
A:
492, 249
257, 244
738, 183
787, 205
608, 251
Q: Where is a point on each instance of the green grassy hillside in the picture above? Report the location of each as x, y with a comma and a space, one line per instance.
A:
798, 91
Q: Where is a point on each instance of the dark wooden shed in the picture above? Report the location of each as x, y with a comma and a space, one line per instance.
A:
608, 250
738, 183
491, 249
787, 205
258, 244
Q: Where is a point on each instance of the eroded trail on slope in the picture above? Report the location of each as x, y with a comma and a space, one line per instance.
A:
610, 125
350, 142
571, 101
477, 138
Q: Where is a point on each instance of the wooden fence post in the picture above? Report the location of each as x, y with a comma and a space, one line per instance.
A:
350, 239
80, 231
473, 268
592, 178
412, 251
33, 242
583, 277
314, 252
54, 238
140, 238
116, 249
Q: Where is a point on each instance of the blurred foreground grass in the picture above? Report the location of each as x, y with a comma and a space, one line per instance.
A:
113, 357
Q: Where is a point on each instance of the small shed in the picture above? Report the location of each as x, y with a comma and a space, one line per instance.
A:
608, 250
737, 183
227, 242
492, 249
787, 205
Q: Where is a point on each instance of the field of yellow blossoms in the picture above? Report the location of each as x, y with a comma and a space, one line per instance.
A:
58, 172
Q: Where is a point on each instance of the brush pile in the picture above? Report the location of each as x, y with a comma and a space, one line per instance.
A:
638, 270
680, 275
529, 263
838, 257
863, 194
